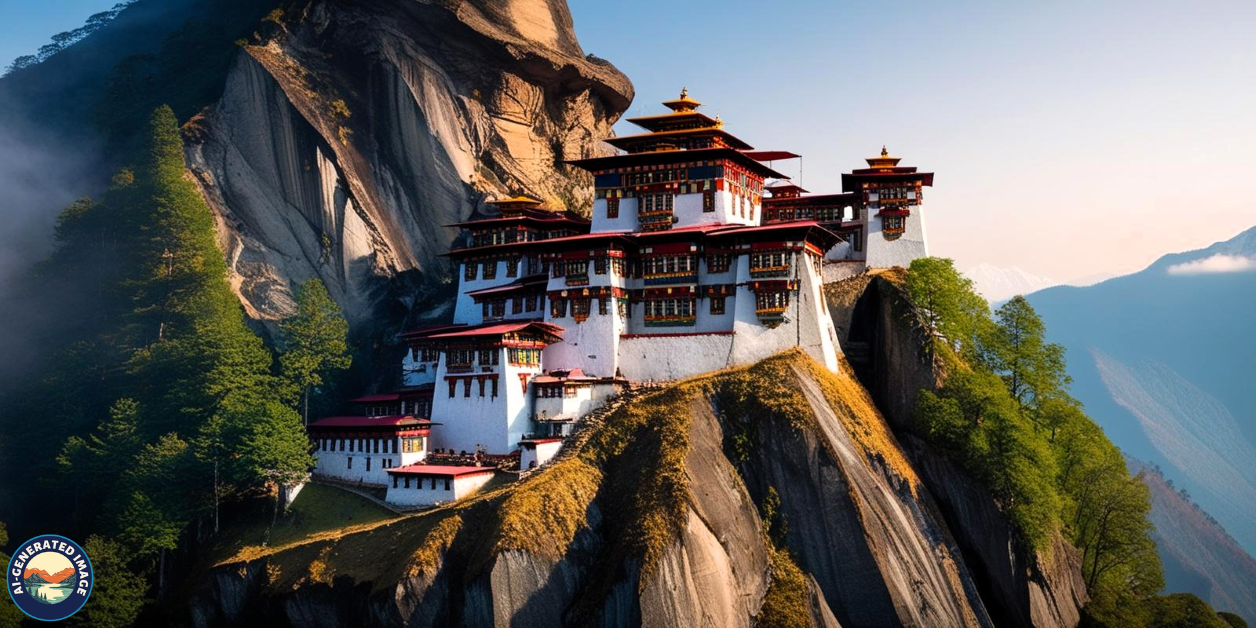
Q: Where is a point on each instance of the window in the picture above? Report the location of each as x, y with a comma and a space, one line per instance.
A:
663, 312
488, 357
708, 201
516, 305
468, 270
580, 309
447, 481
512, 267
719, 262
771, 302
407, 481
433, 483
612, 208
599, 266
350, 459
375, 446
603, 305
368, 464
352, 442
558, 308
717, 305
395, 481
490, 269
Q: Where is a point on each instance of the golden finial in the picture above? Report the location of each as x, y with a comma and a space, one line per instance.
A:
718, 122
884, 153
684, 93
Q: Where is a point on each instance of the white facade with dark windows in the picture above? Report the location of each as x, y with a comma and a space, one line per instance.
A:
691, 262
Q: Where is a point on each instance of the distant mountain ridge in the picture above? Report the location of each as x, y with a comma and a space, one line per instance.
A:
1000, 284
1162, 359
1199, 556
42, 576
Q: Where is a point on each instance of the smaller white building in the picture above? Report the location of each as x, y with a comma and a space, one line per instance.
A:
361, 449
561, 397
535, 452
432, 485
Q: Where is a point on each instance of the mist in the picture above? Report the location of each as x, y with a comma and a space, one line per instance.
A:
40, 174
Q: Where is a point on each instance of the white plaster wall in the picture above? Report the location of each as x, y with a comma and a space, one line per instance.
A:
729, 213
568, 408
673, 357
335, 464
912, 244
495, 422
466, 310
591, 345
687, 208
627, 220
416, 373
423, 495
807, 323
837, 271
541, 453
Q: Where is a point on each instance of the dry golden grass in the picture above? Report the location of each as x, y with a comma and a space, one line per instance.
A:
543, 513
787, 603
427, 557
853, 405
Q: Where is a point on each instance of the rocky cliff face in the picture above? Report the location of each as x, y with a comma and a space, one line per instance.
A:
685, 506
349, 132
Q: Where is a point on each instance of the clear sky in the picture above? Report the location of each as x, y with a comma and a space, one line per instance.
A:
1069, 138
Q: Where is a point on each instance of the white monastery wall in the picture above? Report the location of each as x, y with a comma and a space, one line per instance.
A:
335, 464
882, 253
497, 423
538, 453
627, 220
807, 324
421, 492
670, 357
466, 310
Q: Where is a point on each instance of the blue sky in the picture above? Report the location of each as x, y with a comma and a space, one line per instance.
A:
1068, 138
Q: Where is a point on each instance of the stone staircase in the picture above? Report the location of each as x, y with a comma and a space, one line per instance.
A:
588, 425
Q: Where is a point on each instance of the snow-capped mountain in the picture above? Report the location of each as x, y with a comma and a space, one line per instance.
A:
1000, 284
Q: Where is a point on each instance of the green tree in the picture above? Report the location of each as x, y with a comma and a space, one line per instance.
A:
93, 465
274, 448
10, 616
117, 593
1016, 349
947, 302
313, 342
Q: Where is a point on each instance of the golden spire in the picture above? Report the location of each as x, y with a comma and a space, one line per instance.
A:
684, 93
884, 152
719, 123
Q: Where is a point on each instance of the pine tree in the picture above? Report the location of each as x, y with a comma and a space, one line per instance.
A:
1032, 368
947, 302
10, 616
314, 342
117, 593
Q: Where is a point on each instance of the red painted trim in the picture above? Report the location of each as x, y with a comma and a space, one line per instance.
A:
679, 335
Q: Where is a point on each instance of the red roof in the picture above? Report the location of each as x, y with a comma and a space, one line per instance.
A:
674, 156
537, 441
440, 469
489, 329
393, 420
534, 281
769, 155
393, 396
